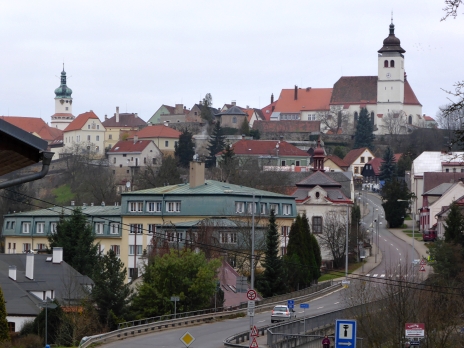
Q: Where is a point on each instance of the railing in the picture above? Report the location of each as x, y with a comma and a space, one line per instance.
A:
150, 325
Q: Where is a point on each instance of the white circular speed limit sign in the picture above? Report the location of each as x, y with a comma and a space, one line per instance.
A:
251, 295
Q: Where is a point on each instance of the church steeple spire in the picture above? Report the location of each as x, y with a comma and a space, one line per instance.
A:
318, 158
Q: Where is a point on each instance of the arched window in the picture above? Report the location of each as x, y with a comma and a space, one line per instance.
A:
410, 119
355, 116
392, 63
339, 119
385, 64
372, 117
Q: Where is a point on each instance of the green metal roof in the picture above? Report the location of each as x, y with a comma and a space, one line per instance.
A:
211, 187
97, 210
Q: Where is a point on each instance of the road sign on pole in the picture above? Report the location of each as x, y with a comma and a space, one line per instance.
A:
414, 329
290, 303
254, 343
187, 339
422, 268
345, 333
251, 295
254, 331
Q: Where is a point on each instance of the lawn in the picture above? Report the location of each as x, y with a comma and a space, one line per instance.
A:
417, 234
340, 272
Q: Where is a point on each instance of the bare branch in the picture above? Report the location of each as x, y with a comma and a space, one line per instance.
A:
451, 8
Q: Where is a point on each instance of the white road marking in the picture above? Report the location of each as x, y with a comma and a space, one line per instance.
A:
391, 244
336, 302
375, 275
368, 275
262, 321
396, 248
320, 307
382, 276
300, 312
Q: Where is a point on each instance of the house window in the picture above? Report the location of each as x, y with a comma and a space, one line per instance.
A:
88, 126
133, 273
151, 228
40, 227
263, 208
286, 209
97, 148
110, 136
447, 170
283, 163
114, 159
454, 170
13, 223
362, 159
166, 143
98, 138
26, 247
136, 228
356, 170
195, 113
41, 246
114, 228
385, 64
297, 163
154, 160
317, 224
173, 207
369, 159
144, 160
250, 207
11, 326
239, 207
234, 119
53, 227
136, 206
124, 155
116, 249
154, 207
99, 228
274, 207
98, 126
392, 63
228, 237
26, 227
355, 116
135, 248
88, 137
285, 230
7, 225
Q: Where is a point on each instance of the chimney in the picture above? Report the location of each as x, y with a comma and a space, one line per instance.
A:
179, 109
136, 138
296, 92
272, 98
30, 266
117, 114
103, 204
136, 115
12, 272
234, 103
197, 174
72, 203
91, 204
243, 136
57, 255
106, 117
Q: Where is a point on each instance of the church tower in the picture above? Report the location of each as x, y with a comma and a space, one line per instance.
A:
63, 105
390, 83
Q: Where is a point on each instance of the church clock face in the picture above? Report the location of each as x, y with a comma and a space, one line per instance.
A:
388, 75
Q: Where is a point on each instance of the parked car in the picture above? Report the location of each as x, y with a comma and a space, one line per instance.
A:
281, 313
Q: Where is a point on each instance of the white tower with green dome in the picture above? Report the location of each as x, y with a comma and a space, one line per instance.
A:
63, 105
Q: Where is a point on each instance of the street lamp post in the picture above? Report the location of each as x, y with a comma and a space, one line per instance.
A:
346, 240
413, 223
377, 237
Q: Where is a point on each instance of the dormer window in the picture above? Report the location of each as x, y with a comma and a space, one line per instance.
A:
317, 195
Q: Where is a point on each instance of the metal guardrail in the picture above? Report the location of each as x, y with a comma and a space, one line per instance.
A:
145, 326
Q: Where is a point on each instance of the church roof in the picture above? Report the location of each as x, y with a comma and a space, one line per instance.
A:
318, 178
34, 125
303, 99
409, 95
392, 43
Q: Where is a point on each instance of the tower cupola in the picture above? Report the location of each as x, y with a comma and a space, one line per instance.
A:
391, 43
63, 91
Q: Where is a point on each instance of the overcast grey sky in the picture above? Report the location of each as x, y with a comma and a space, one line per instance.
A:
139, 54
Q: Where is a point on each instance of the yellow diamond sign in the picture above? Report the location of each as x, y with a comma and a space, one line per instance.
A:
187, 339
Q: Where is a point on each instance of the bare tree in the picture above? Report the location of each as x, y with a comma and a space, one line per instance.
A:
453, 120
336, 119
333, 236
395, 122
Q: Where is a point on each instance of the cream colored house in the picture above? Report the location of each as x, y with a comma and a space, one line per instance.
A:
86, 132
164, 137
356, 159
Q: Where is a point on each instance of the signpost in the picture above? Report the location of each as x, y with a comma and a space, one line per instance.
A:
187, 339
414, 330
175, 299
345, 333
304, 306
251, 308
251, 295
291, 304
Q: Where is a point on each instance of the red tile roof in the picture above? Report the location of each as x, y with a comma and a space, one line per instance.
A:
337, 160
125, 120
355, 90
409, 96
308, 99
287, 126
268, 110
353, 155
428, 118
129, 146
79, 122
158, 131
34, 125
265, 148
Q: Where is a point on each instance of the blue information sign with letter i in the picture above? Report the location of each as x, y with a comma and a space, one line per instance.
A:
345, 333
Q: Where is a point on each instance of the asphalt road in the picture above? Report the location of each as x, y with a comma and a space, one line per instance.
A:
394, 251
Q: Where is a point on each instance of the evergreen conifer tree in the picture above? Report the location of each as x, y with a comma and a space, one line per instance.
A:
454, 227
216, 144
388, 168
273, 280
75, 235
4, 332
184, 149
364, 135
